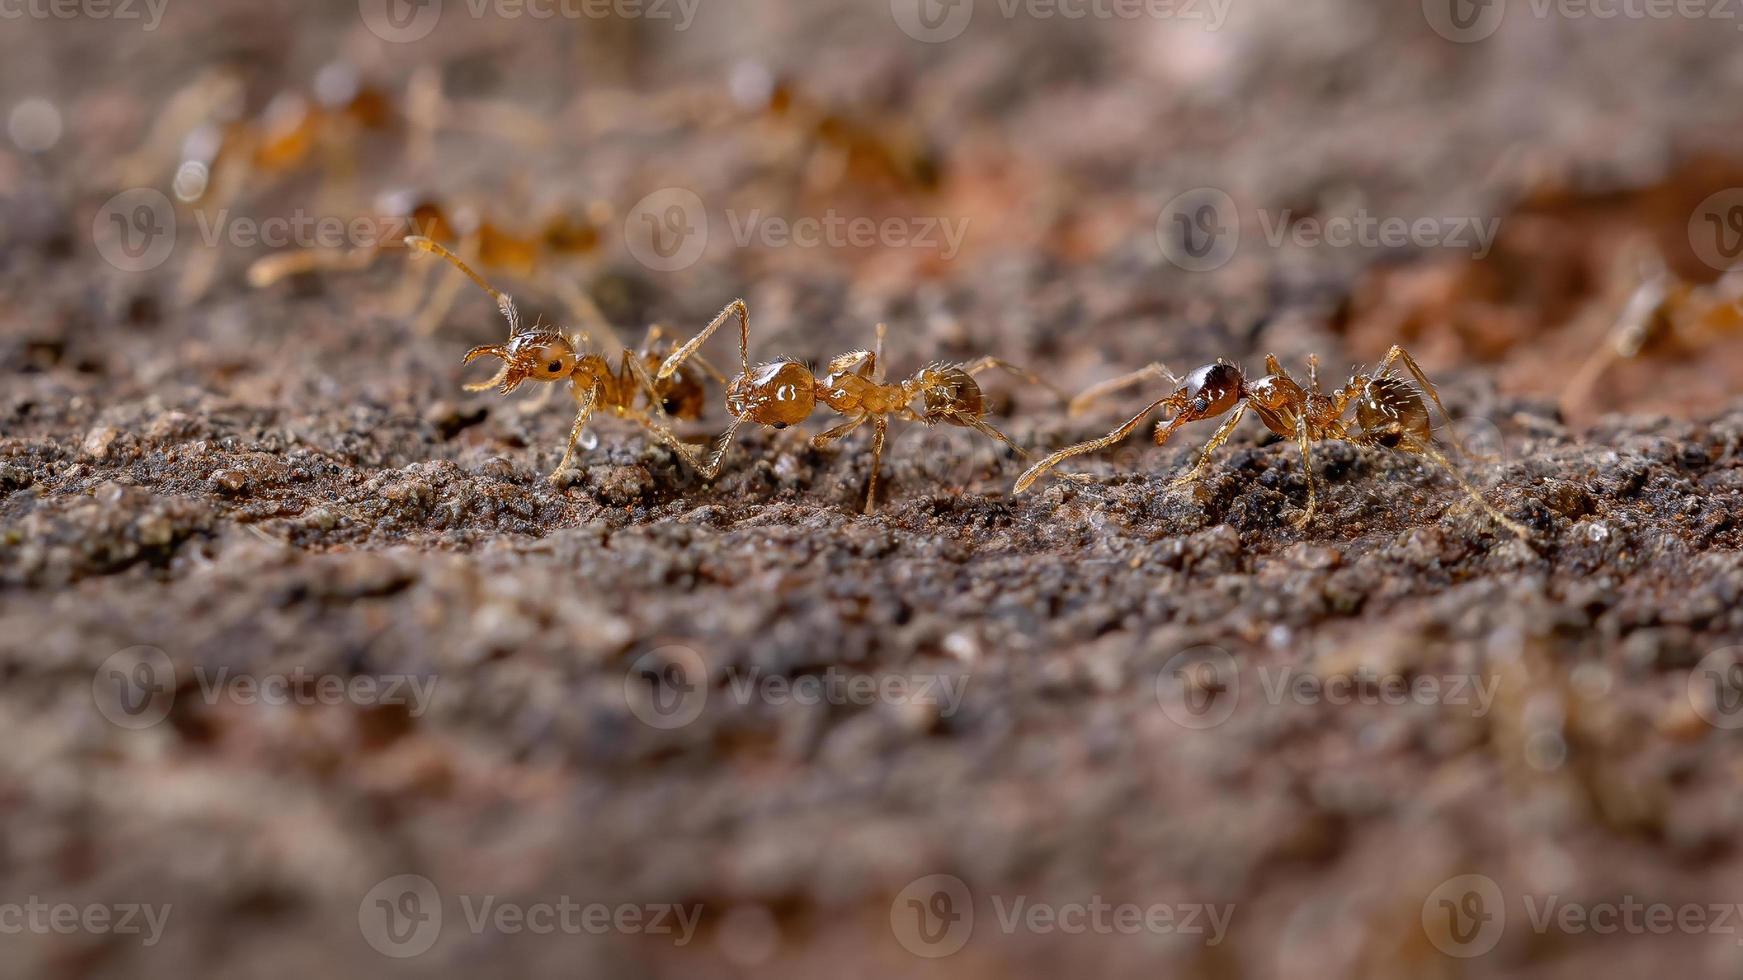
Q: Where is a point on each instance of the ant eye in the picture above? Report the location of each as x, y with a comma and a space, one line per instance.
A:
1200, 406
554, 366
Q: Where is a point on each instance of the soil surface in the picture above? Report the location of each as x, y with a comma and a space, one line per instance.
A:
289, 615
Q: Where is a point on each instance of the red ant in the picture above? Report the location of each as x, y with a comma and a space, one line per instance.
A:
785, 392
1390, 412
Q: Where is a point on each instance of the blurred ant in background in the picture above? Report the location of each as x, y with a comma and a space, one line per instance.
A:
785, 392
1664, 312
543, 354
559, 237
221, 151
1390, 412
834, 146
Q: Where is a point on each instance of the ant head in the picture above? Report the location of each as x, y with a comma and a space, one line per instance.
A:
777, 394
534, 355
1210, 391
950, 393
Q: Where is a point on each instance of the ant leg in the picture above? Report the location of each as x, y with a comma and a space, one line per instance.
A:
1216, 441
985, 428
721, 445
1439, 459
535, 404
822, 439
447, 288
1399, 353
880, 426
1153, 370
684, 353
659, 422
233, 175
583, 309
1629, 334
877, 359
709, 369
584, 412
272, 269
1033, 473
1304, 439
187, 109
975, 367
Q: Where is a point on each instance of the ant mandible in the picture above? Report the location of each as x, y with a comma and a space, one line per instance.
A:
1389, 412
539, 353
784, 392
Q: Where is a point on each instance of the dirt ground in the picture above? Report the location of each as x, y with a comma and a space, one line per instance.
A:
303, 653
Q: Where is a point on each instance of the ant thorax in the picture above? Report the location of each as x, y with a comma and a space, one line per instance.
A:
851, 393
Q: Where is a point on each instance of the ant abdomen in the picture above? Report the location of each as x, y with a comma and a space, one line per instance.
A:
778, 394
1391, 410
950, 395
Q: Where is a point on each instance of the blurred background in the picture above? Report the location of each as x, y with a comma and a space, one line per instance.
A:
236, 443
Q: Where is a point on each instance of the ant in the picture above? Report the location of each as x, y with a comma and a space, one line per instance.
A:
539, 353
220, 149
783, 392
1390, 412
1663, 311
562, 235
